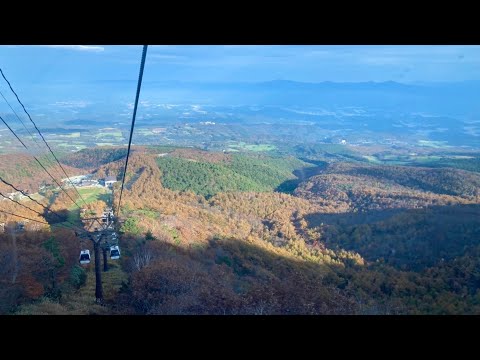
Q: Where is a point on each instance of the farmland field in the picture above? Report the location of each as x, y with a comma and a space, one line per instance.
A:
239, 146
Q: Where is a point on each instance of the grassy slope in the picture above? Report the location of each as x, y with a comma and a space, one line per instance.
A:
89, 195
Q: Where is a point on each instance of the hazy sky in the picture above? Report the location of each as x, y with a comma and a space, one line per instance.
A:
83, 63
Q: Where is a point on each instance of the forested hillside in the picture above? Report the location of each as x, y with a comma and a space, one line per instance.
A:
412, 240
25, 173
207, 174
94, 157
375, 268
363, 187
354, 238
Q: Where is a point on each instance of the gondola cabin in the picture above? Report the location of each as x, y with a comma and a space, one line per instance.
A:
114, 252
84, 257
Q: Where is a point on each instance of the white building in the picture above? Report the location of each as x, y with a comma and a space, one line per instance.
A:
88, 183
110, 180
76, 180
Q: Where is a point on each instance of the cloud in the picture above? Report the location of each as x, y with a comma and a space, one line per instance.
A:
77, 47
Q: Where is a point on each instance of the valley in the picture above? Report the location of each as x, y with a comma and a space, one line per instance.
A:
322, 230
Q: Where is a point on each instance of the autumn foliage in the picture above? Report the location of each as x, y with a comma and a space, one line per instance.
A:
352, 238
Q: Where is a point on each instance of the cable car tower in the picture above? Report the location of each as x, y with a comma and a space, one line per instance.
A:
104, 238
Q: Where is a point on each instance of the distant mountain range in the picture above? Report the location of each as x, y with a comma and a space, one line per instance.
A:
452, 99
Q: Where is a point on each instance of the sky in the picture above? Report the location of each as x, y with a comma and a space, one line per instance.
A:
43, 64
